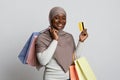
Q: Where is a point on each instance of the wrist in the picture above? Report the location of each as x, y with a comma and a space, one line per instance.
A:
56, 39
81, 40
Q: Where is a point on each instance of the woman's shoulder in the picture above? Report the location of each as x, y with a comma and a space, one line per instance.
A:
44, 34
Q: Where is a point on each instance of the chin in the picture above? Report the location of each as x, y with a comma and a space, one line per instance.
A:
60, 28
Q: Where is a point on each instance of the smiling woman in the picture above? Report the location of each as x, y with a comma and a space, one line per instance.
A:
58, 22
55, 47
57, 18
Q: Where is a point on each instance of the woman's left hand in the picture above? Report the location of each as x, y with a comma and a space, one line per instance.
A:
83, 35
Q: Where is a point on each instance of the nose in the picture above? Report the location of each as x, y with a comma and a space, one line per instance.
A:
60, 20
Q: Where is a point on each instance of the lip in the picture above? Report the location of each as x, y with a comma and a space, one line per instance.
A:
59, 26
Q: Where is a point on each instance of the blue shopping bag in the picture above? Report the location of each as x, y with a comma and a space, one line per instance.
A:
24, 52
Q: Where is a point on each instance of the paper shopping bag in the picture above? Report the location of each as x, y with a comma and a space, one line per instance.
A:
84, 70
32, 57
73, 73
79, 71
25, 51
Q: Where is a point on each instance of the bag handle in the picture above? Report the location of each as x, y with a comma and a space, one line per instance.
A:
73, 57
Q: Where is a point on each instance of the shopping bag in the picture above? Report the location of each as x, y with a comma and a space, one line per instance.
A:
31, 58
83, 69
27, 54
25, 51
73, 73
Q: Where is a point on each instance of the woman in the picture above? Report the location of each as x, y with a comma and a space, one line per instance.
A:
55, 47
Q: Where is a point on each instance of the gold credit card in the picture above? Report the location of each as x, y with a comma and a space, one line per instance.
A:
81, 26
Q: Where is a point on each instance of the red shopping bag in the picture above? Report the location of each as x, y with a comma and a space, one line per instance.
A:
73, 73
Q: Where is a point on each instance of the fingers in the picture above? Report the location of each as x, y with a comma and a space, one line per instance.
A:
84, 32
54, 33
83, 36
53, 30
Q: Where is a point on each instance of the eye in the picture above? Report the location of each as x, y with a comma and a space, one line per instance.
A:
56, 18
64, 18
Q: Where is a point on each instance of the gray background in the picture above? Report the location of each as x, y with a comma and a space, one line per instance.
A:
19, 18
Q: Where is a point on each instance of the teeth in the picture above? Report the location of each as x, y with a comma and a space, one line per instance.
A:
60, 25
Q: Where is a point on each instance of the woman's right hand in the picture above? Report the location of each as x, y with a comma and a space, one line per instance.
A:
54, 33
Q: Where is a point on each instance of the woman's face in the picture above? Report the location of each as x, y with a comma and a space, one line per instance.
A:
58, 22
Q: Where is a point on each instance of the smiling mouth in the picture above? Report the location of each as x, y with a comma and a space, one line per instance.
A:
60, 25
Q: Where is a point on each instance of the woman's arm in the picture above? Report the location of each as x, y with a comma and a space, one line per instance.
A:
79, 49
82, 37
45, 56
